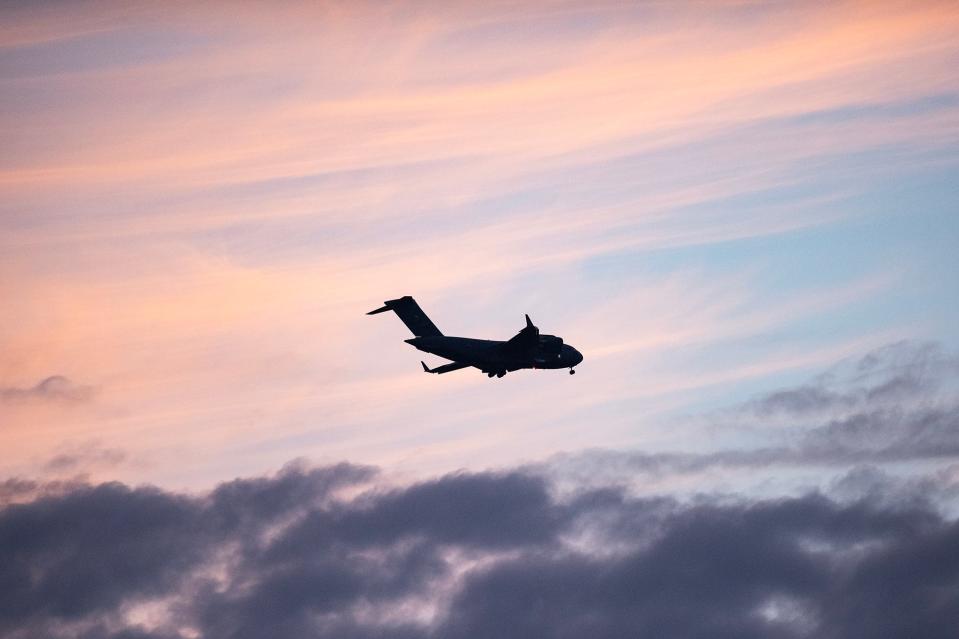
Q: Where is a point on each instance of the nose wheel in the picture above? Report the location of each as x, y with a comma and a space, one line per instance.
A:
572, 372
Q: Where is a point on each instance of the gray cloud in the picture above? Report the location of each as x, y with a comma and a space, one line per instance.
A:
903, 371
14, 489
17, 490
84, 457
898, 403
470, 555
556, 551
716, 571
55, 388
880, 487
894, 435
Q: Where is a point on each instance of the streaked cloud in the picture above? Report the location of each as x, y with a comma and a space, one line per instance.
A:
55, 388
895, 405
194, 226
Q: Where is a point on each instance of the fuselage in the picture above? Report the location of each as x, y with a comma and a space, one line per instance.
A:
527, 349
494, 355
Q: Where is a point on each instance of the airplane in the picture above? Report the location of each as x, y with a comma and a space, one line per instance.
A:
527, 349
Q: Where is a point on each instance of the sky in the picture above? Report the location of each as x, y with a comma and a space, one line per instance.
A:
744, 214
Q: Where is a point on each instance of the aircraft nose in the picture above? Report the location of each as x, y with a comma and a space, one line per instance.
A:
572, 356
577, 357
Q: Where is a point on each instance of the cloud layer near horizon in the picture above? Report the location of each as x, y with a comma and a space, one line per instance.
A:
319, 553
198, 204
898, 404
597, 543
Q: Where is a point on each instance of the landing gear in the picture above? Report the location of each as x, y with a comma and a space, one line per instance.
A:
501, 373
572, 372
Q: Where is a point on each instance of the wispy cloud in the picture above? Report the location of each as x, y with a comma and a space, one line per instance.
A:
898, 403
198, 224
55, 388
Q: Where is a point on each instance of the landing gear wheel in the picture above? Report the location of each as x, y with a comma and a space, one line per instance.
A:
572, 372
501, 373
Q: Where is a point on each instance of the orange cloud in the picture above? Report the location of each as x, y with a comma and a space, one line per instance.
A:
140, 184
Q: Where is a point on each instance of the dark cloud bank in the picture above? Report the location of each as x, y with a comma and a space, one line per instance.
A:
318, 553
563, 550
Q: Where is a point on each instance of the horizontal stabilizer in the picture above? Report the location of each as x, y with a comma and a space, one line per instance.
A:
412, 315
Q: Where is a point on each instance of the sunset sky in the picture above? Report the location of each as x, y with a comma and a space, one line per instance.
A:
744, 214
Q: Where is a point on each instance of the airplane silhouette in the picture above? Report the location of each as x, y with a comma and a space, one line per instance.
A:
527, 349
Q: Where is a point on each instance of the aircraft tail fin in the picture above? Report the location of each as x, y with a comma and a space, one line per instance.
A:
412, 315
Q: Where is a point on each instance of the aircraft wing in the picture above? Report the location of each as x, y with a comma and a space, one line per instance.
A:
526, 339
446, 368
